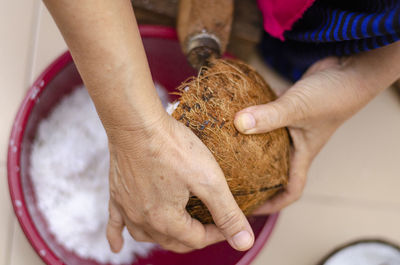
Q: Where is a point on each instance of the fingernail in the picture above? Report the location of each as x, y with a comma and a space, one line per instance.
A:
242, 240
245, 122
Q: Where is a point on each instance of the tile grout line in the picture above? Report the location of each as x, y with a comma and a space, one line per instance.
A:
31, 59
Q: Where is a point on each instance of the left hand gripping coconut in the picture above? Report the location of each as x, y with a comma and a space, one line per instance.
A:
255, 166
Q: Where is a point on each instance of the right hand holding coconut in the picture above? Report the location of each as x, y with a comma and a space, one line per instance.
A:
329, 93
153, 172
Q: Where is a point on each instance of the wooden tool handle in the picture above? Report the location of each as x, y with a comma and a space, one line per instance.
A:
204, 27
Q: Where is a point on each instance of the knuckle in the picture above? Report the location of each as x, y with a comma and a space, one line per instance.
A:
297, 196
152, 216
274, 114
209, 181
113, 193
135, 235
229, 220
293, 196
165, 221
168, 244
159, 225
114, 222
140, 238
175, 247
114, 219
134, 217
171, 248
298, 103
115, 196
190, 239
182, 250
297, 193
195, 245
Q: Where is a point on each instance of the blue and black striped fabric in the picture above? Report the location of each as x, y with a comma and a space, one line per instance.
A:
333, 27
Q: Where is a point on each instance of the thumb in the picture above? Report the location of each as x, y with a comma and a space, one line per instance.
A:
227, 215
234, 226
267, 117
114, 228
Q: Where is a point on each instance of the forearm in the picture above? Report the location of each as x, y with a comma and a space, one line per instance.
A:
350, 83
375, 70
105, 43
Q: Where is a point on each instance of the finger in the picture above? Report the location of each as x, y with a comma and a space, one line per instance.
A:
226, 214
114, 228
181, 249
267, 117
139, 234
291, 194
297, 179
168, 243
275, 204
175, 246
147, 233
179, 226
194, 234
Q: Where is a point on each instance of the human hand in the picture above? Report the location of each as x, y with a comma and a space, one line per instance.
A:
152, 173
155, 162
330, 92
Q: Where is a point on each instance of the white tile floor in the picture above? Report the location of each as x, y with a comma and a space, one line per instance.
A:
352, 190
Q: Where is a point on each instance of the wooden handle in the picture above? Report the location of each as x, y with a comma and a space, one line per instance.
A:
203, 28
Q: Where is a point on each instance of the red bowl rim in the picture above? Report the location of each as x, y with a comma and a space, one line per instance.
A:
14, 152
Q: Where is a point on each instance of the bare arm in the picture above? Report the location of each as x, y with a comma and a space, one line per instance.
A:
104, 40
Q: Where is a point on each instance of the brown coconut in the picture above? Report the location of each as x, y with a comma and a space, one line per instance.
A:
255, 166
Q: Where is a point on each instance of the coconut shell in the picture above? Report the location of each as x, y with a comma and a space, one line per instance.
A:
255, 166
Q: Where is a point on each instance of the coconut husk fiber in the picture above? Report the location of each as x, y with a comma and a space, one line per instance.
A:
255, 166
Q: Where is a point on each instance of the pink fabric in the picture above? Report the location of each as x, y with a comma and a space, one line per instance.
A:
280, 15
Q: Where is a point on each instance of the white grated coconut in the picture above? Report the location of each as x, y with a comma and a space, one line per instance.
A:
171, 107
368, 253
69, 170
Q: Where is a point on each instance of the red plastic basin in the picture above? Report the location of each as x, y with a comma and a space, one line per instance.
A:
169, 68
